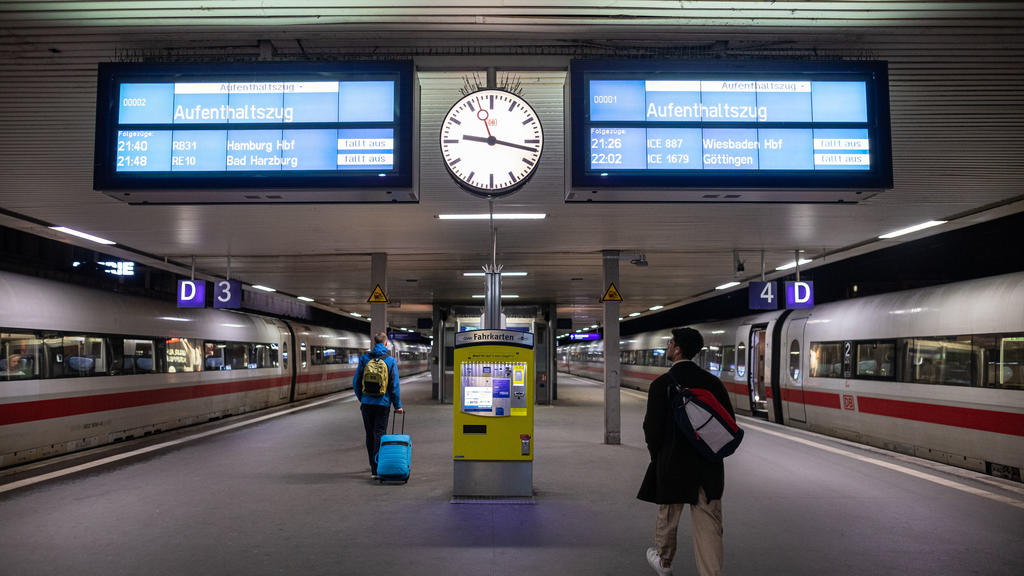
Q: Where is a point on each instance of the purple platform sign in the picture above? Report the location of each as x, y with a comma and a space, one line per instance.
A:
799, 295
763, 296
227, 294
191, 294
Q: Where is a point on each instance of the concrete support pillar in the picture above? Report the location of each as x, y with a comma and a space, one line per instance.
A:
437, 344
612, 367
379, 276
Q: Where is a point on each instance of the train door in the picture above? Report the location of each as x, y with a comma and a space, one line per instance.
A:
795, 358
758, 348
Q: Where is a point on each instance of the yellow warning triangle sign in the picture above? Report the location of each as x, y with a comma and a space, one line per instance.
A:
377, 296
611, 294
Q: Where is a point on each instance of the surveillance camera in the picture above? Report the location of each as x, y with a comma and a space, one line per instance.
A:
739, 267
641, 261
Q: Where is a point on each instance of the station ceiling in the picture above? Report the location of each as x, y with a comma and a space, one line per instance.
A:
957, 106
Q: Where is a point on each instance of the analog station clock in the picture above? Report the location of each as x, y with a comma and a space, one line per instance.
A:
491, 141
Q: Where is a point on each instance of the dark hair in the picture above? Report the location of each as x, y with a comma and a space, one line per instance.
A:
689, 341
380, 337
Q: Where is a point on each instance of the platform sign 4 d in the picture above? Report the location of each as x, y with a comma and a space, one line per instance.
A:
799, 295
763, 296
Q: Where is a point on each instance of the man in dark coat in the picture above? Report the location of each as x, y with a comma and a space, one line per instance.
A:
677, 474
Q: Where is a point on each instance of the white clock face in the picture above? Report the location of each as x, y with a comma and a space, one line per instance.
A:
491, 142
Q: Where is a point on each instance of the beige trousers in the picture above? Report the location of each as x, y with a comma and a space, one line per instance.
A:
707, 533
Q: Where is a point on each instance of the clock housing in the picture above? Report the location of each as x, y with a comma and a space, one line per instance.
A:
491, 142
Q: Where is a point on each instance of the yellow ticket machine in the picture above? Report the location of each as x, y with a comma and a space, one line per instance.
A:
492, 440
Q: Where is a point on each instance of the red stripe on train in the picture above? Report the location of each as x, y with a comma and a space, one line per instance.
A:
303, 378
973, 418
19, 412
812, 397
736, 388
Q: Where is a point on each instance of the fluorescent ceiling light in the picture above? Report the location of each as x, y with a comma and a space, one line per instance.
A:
634, 314
503, 274
718, 331
793, 264
304, 299
620, 318
921, 226
507, 216
659, 307
503, 296
88, 237
727, 285
356, 314
264, 288
173, 319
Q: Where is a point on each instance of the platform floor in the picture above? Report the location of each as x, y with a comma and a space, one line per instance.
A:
292, 495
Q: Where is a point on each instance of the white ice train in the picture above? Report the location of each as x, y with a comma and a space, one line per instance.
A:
936, 372
82, 367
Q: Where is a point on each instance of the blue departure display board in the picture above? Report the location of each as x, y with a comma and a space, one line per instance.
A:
730, 125
261, 125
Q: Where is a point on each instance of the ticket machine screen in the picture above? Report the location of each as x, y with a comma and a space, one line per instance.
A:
487, 388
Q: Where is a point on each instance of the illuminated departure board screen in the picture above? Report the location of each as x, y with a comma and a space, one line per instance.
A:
730, 125
264, 125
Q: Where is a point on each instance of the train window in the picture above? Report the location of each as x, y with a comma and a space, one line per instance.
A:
305, 354
316, 355
876, 360
728, 359
826, 360
284, 355
330, 356
260, 356
183, 355
714, 358
1002, 360
20, 356
273, 355
794, 360
1011, 362
741, 360
938, 360
236, 356
84, 356
136, 356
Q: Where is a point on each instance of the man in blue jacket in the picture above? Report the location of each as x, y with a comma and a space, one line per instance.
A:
376, 386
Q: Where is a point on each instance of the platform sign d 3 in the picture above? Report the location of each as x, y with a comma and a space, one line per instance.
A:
763, 296
191, 294
799, 295
227, 294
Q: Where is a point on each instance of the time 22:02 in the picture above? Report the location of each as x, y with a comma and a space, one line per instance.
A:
602, 158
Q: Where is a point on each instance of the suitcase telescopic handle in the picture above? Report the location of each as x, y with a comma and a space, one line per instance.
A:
393, 423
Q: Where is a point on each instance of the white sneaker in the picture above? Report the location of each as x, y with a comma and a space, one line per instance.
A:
655, 561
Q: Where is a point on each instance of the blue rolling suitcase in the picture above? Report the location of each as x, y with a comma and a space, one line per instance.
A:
395, 455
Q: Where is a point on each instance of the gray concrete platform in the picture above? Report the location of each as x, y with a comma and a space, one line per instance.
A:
292, 495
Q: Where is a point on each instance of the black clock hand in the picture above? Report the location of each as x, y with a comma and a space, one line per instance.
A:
492, 141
